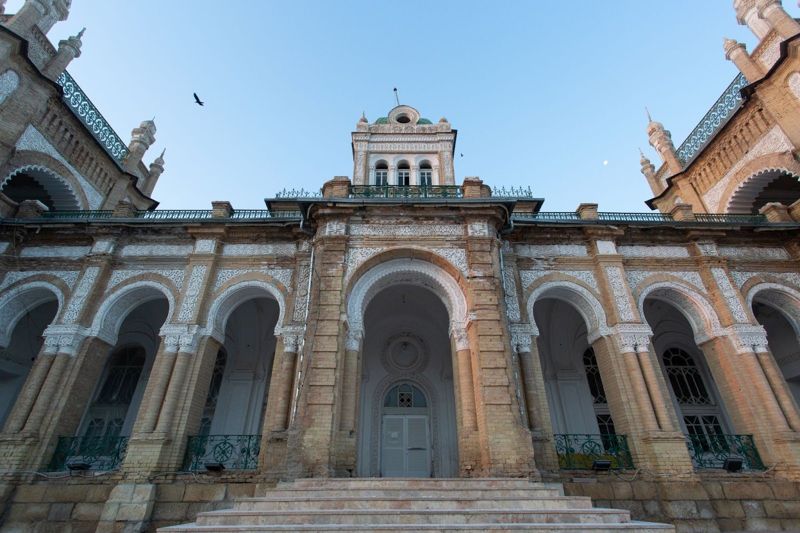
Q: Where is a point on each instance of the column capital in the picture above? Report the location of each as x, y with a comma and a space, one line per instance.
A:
459, 334
632, 338
64, 338
522, 336
746, 338
183, 338
292, 337
353, 341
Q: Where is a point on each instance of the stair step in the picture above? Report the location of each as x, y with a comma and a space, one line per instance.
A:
444, 483
404, 492
640, 527
409, 501
402, 516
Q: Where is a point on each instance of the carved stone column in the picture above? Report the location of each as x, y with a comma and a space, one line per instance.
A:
279, 402
469, 454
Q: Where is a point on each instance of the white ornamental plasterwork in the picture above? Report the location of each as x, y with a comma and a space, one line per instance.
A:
335, 227
794, 84
707, 248
606, 247
353, 341
103, 246
406, 230
730, 295
157, 250
78, 299
771, 51
512, 301
390, 147
529, 277
455, 256
357, 257
284, 275
621, 300
62, 338
773, 141
740, 278
301, 294
735, 252
192, 292
746, 338
551, 250
522, 337
670, 252
632, 338
460, 338
478, 229
70, 252
118, 276
635, 277
181, 338
69, 277
32, 140
205, 246
9, 81
238, 250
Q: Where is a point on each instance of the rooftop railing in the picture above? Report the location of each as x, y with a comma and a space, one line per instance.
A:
713, 121
570, 217
405, 191
88, 114
170, 215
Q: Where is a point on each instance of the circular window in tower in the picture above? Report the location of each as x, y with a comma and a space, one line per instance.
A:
403, 114
403, 119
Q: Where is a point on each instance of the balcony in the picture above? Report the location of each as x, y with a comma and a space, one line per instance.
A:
234, 452
580, 451
88, 453
405, 191
711, 451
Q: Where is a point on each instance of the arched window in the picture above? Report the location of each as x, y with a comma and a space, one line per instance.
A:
213, 392
425, 174
403, 174
381, 173
405, 396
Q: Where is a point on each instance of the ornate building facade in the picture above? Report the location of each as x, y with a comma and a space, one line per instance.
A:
156, 365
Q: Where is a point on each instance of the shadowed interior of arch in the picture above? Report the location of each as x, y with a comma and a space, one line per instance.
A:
782, 338
37, 184
767, 186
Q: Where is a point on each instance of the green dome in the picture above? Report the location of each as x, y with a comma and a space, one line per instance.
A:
424, 121
382, 120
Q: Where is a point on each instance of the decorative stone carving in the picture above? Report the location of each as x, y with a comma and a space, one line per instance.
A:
103, 246
205, 246
632, 338
510, 289
692, 304
478, 229
606, 247
746, 338
192, 292
69, 277
16, 301
78, 299
67, 339
621, 300
238, 250
460, 338
670, 252
119, 303
581, 298
455, 256
181, 338
156, 250
636, 277
756, 254
740, 278
32, 140
794, 84
404, 353
118, 276
301, 294
401, 229
233, 295
707, 248
335, 228
71, 252
551, 250
283, 275
729, 293
521, 336
358, 256
9, 81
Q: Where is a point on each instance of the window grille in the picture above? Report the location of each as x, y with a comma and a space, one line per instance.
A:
704, 430
425, 178
405, 396
685, 378
593, 377
213, 392
381, 177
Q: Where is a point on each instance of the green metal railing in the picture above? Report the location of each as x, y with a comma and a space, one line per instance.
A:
579, 451
648, 218
296, 194
95, 453
512, 192
88, 114
634, 217
718, 218
710, 451
405, 191
175, 214
77, 214
235, 452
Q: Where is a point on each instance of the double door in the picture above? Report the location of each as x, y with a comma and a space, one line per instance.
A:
405, 446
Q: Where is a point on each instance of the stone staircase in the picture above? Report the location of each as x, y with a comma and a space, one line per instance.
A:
420, 505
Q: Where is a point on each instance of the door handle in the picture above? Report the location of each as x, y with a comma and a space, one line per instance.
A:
416, 449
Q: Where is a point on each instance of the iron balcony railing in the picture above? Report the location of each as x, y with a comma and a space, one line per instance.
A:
234, 452
512, 192
711, 451
634, 217
713, 121
296, 194
571, 217
580, 451
88, 214
88, 114
89, 453
175, 214
162, 215
405, 191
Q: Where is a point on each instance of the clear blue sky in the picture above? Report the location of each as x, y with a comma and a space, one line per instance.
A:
542, 93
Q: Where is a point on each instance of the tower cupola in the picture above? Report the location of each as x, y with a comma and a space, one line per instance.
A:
141, 139
68, 49
661, 140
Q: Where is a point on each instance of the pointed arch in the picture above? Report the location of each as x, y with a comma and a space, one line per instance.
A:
780, 297
17, 301
61, 192
235, 295
587, 305
694, 306
117, 306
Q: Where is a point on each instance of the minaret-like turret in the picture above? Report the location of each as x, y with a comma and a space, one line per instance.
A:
156, 169
141, 139
68, 49
649, 172
2, 7
661, 140
747, 14
41, 13
772, 11
736, 52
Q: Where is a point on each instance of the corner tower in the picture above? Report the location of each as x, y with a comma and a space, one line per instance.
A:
403, 149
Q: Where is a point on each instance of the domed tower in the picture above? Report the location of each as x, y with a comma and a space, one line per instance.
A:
403, 149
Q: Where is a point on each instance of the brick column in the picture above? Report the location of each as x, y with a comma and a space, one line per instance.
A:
351, 381
524, 341
469, 450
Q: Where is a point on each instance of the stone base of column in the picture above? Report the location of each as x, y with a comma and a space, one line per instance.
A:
470, 463
148, 453
17, 450
345, 457
128, 508
272, 456
661, 452
783, 455
544, 452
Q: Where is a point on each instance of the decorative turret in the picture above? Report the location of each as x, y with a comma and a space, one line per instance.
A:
772, 11
141, 139
156, 169
2, 7
747, 14
649, 172
68, 49
41, 13
661, 140
736, 52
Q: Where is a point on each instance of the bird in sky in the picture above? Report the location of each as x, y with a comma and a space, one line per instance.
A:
197, 99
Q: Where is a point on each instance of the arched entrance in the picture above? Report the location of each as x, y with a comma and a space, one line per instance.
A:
405, 433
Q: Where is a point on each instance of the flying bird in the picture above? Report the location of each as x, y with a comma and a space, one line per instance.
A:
197, 99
